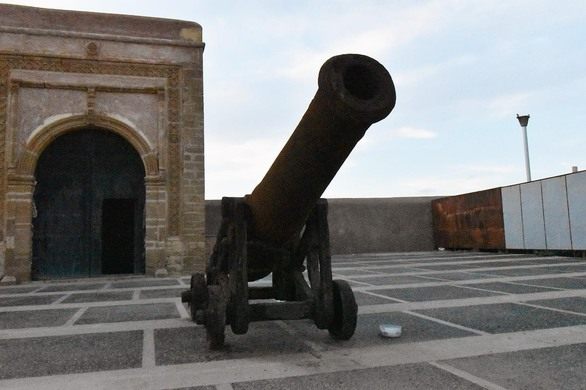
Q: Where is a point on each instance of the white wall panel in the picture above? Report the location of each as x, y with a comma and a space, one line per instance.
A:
512, 218
532, 209
576, 184
555, 212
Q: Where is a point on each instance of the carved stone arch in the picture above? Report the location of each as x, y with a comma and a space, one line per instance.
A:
43, 137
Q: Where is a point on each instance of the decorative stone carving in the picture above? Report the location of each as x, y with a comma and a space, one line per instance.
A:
92, 50
129, 69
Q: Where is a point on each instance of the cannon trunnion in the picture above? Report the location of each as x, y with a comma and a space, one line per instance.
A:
282, 226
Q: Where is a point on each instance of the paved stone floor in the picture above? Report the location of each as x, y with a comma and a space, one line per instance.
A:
470, 321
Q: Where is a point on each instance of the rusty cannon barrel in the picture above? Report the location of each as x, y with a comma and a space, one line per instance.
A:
354, 92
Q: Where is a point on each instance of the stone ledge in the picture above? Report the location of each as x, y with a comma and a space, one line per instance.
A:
95, 25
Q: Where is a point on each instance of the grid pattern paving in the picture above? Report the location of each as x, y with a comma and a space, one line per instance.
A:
470, 321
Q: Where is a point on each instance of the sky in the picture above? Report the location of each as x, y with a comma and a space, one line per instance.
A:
462, 70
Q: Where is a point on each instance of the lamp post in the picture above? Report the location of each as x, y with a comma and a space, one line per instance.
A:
523, 120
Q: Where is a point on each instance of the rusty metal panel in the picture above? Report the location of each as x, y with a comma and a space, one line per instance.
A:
577, 208
469, 221
555, 213
512, 217
532, 208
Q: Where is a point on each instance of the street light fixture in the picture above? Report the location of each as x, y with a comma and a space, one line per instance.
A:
523, 121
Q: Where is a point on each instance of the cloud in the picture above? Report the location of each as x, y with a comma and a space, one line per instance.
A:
419, 74
501, 106
377, 137
411, 133
235, 168
388, 28
460, 180
400, 182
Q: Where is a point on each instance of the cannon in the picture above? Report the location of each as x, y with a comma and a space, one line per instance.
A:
282, 227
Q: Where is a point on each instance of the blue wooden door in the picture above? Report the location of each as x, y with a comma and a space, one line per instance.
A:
76, 176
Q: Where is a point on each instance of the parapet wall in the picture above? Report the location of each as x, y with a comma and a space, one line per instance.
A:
364, 225
542, 215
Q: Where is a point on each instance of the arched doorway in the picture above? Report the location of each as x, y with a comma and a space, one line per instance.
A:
89, 201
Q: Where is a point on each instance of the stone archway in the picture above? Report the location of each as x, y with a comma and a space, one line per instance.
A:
41, 138
88, 216
21, 188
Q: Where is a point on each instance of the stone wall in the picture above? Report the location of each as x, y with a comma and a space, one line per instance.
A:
370, 225
364, 225
138, 77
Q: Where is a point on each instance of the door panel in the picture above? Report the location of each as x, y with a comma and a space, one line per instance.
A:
74, 175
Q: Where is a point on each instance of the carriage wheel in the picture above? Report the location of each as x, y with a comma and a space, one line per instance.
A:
215, 319
199, 294
345, 311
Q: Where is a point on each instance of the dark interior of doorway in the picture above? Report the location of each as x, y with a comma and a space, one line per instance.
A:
118, 222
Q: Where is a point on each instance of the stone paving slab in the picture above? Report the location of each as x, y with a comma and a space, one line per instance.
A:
516, 262
353, 283
99, 297
189, 345
368, 334
537, 270
410, 376
504, 317
568, 283
459, 276
448, 267
17, 290
555, 260
72, 287
418, 294
108, 314
553, 368
35, 318
397, 270
498, 264
575, 304
386, 280
41, 356
163, 293
509, 287
145, 283
29, 300
353, 272
364, 299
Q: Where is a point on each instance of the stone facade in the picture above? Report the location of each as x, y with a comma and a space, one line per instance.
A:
141, 78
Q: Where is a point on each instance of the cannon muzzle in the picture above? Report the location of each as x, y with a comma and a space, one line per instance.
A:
354, 92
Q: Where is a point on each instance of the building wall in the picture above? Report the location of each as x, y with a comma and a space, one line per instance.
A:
138, 77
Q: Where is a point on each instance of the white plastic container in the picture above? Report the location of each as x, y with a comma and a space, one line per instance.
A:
390, 330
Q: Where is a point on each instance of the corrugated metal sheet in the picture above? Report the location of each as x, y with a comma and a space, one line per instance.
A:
512, 217
470, 221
